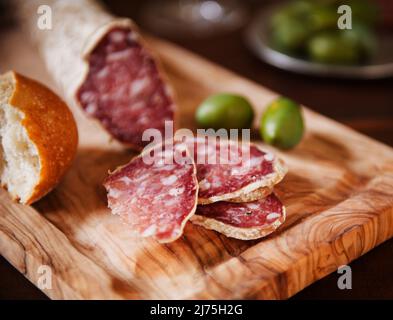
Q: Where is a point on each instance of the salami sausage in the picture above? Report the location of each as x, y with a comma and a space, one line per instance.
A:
249, 179
101, 63
155, 199
124, 90
245, 221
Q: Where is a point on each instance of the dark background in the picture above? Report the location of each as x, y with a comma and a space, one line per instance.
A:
366, 106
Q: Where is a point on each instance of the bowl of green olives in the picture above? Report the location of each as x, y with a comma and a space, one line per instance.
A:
304, 36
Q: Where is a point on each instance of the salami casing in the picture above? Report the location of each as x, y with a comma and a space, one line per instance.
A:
245, 221
101, 63
228, 179
155, 198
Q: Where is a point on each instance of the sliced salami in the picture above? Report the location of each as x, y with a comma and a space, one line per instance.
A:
245, 221
225, 178
101, 63
155, 196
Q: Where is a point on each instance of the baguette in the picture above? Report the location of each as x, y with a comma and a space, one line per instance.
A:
38, 136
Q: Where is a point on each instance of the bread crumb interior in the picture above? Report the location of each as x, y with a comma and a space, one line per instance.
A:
19, 159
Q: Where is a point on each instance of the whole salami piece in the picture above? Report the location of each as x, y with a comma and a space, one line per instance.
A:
232, 171
245, 221
155, 195
101, 63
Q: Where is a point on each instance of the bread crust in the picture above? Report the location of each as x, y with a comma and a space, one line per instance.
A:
236, 232
50, 126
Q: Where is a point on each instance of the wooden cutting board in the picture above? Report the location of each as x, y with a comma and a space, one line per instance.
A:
338, 193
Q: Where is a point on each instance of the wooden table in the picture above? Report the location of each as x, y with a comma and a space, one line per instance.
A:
365, 106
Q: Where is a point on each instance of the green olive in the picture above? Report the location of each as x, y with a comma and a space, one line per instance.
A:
290, 36
333, 48
363, 11
323, 18
364, 38
282, 124
228, 111
279, 17
293, 10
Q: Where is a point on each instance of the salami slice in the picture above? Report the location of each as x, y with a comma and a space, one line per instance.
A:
101, 63
245, 221
228, 179
157, 197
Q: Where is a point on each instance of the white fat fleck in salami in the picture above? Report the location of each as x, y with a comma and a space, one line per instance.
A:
114, 193
176, 191
269, 156
167, 181
204, 185
155, 201
253, 205
117, 37
224, 179
272, 216
139, 85
91, 108
244, 221
126, 180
